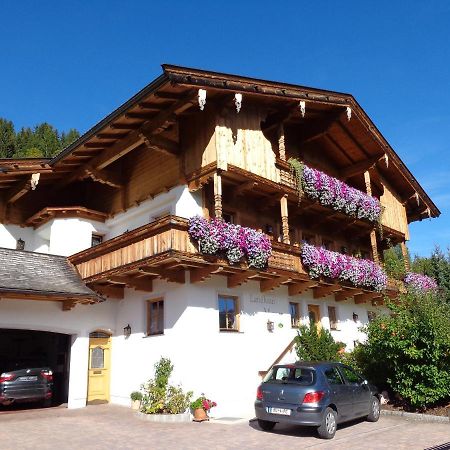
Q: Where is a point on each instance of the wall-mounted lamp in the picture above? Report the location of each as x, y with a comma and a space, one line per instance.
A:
127, 331
355, 317
20, 244
270, 325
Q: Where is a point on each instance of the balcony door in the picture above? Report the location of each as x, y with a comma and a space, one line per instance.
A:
99, 367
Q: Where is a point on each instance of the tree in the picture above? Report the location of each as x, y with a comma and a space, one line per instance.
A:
436, 266
47, 139
409, 350
313, 344
26, 144
394, 263
7, 138
67, 138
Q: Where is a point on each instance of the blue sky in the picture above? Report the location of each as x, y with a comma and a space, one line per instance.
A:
71, 63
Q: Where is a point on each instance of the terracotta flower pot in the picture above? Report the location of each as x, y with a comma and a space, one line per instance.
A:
135, 404
200, 415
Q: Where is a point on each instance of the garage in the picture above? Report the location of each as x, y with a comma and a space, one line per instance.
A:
23, 349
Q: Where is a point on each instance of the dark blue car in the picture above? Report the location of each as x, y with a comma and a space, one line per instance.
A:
318, 394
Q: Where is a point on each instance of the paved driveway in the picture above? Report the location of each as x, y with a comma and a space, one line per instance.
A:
114, 427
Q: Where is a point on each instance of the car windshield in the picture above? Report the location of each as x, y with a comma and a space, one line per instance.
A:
291, 374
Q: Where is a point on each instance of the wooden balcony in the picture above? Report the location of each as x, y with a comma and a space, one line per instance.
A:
163, 249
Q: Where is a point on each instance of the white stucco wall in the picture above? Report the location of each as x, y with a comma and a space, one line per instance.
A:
223, 365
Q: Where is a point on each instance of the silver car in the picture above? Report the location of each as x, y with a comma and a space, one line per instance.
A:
318, 394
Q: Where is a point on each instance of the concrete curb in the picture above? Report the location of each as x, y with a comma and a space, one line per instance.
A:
165, 418
415, 416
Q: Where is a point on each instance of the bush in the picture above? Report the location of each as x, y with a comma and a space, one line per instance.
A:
409, 351
313, 344
161, 398
136, 395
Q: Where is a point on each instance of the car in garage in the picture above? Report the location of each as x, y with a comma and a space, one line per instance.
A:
25, 381
318, 394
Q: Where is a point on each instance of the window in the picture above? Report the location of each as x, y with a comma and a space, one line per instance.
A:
327, 244
96, 239
332, 317
308, 238
371, 315
228, 313
333, 376
291, 374
155, 317
228, 217
295, 314
350, 376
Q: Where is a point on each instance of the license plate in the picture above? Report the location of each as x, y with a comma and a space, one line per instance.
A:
34, 378
282, 411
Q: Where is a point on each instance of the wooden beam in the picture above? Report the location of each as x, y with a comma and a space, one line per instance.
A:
247, 186
161, 144
362, 298
174, 276
238, 278
68, 304
300, 287
323, 291
346, 293
109, 290
272, 283
284, 219
18, 191
138, 283
105, 177
200, 274
359, 167
218, 195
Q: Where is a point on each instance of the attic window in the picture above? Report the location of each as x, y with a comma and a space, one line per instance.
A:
96, 239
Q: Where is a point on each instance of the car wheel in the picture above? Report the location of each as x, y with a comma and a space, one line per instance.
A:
327, 428
374, 414
266, 425
46, 403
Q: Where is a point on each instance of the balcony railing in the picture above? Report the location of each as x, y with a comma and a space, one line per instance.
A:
164, 249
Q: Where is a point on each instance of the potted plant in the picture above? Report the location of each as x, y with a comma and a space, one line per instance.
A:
200, 408
136, 398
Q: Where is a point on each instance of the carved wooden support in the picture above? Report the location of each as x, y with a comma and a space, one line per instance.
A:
374, 246
281, 143
346, 293
323, 291
362, 298
300, 287
218, 195
68, 304
175, 276
200, 274
139, 283
284, 219
238, 278
269, 284
405, 255
112, 291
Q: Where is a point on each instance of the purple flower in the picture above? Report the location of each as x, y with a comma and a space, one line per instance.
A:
419, 282
360, 272
234, 241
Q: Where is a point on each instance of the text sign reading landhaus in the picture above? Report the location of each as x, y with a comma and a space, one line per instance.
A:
263, 299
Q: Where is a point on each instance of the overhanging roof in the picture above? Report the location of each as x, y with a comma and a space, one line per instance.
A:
178, 85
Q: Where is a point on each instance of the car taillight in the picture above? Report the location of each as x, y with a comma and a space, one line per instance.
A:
6, 377
314, 397
259, 393
48, 375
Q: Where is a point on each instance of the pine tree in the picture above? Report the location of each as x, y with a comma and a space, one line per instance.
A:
7, 138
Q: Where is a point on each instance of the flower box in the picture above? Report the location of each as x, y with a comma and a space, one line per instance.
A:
359, 272
419, 282
216, 237
330, 191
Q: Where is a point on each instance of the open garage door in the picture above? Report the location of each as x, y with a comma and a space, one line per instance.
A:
22, 349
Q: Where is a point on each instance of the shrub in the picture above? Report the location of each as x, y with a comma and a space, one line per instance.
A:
161, 398
409, 350
313, 344
136, 395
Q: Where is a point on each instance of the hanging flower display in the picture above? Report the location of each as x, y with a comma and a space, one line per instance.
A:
359, 272
419, 282
332, 192
234, 241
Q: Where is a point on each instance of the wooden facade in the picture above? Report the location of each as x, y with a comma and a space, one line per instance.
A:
234, 149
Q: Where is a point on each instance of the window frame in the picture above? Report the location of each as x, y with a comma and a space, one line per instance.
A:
235, 298
297, 314
160, 326
336, 321
97, 236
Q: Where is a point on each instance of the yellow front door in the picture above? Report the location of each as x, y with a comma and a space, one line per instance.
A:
314, 315
99, 367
